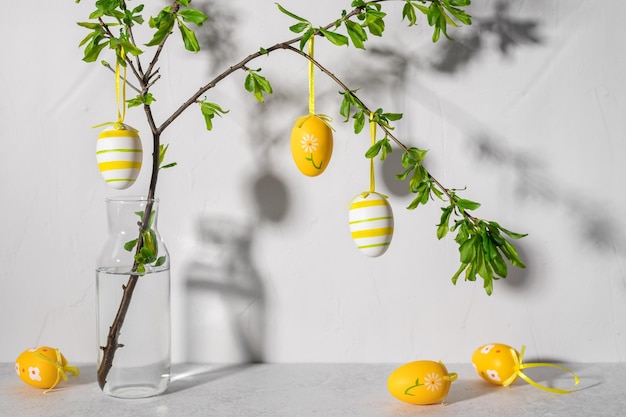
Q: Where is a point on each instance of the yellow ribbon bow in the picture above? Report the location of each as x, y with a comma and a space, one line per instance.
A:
62, 370
519, 366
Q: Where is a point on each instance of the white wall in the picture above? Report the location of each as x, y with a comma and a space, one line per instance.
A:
534, 128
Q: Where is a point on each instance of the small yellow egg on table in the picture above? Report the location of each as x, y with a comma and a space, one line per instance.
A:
43, 367
421, 382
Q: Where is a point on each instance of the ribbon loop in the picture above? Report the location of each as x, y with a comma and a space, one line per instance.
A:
519, 366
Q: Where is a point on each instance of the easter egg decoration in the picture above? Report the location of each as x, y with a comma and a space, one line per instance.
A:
500, 364
370, 215
312, 136
371, 223
421, 382
119, 152
43, 367
311, 144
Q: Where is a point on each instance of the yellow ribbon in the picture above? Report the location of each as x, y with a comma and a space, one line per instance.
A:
120, 113
311, 77
62, 371
121, 105
373, 135
519, 365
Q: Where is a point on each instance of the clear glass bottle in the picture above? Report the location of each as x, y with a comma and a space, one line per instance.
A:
138, 304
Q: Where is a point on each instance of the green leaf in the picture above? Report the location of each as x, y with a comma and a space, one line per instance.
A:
140, 100
408, 12
511, 254
257, 84
466, 204
162, 32
468, 250
334, 37
89, 25
160, 261
299, 27
209, 110
305, 38
374, 149
288, 13
499, 266
93, 49
357, 34
193, 16
189, 38
456, 275
359, 121
444, 224
130, 245
510, 234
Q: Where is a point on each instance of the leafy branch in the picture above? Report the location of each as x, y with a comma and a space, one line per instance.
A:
482, 245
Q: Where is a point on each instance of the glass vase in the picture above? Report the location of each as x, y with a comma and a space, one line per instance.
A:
133, 302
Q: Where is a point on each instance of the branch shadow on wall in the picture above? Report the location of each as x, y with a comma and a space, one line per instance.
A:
532, 182
496, 28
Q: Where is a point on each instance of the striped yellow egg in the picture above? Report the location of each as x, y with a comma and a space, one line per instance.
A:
371, 223
119, 154
311, 145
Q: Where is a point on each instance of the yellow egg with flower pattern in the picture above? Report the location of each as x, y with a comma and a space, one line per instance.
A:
421, 382
311, 145
43, 367
495, 363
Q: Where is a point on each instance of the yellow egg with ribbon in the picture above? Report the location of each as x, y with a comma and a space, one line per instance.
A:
311, 144
43, 367
371, 223
500, 364
421, 382
495, 363
119, 154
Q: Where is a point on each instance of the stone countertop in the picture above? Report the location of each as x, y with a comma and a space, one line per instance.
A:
323, 390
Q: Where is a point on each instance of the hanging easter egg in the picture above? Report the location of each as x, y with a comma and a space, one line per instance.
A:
119, 154
496, 363
371, 223
311, 145
420, 382
43, 367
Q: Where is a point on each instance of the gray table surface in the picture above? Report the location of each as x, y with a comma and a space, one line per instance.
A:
325, 390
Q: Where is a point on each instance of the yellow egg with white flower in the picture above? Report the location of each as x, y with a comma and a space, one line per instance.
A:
496, 363
421, 382
311, 145
43, 367
119, 154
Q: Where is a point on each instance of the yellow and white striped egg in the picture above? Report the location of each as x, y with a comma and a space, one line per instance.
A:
371, 223
119, 154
